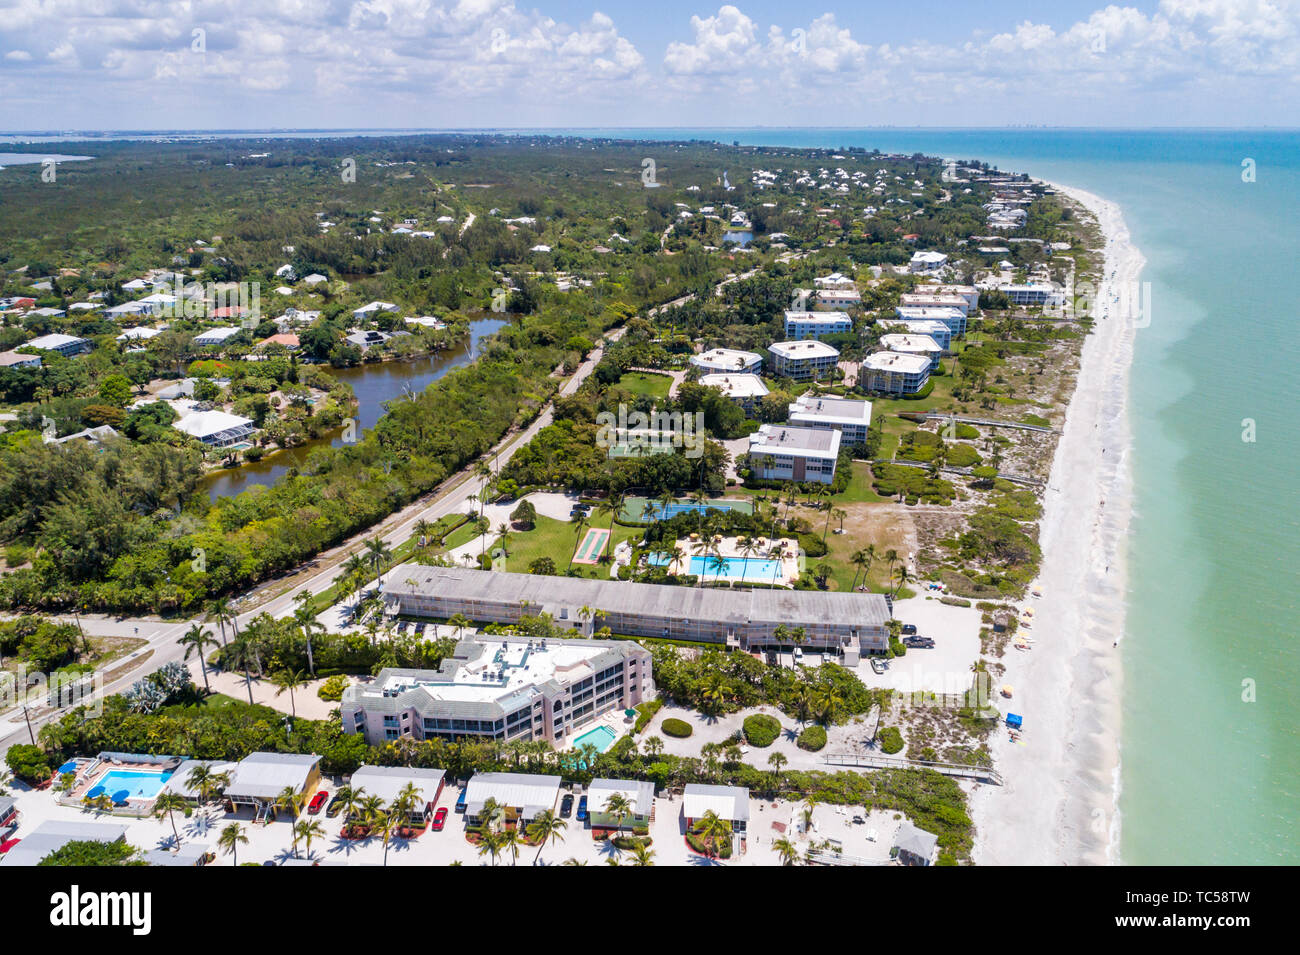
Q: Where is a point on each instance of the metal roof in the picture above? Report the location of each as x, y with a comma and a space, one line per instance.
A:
728, 802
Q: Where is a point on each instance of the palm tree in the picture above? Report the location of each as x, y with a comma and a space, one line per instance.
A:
510, 842
241, 653
404, 805
618, 806
231, 838
787, 850
422, 530
546, 827
460, 622
654, 746
777, 761
195, 640
489, 843
503, 530
578, 529
166, 805
712, 829
384, 825
380, 556
642, 854
309, 625
307, 830
219, 610
290, 800
350, 800
289, 680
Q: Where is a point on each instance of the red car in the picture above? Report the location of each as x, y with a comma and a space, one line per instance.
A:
439, 819
8, 844
318, 802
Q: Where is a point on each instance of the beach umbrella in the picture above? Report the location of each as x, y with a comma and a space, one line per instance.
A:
68, 767
96, 791
121, 796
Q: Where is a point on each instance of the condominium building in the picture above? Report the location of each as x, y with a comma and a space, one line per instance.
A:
745, 390
719, 360
807, 360
784, 452
801, 325
895, 373
940, 332
1033, 295
968, 292
851, 417
954, 318
849, 623
503, 688
914, 345
838, 298
919, 299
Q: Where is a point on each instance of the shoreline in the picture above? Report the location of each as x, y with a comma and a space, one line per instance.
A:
1060, 802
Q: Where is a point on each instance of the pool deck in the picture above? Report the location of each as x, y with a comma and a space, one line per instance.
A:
729, 548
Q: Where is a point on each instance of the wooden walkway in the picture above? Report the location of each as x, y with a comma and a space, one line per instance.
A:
959, 770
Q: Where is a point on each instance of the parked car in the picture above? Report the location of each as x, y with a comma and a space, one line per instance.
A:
798, 654
880, 666
566, 805
909, 628
318, 802
419, 628
8, 844
460, 802
439, 819
920, 643
402, 625
582, 809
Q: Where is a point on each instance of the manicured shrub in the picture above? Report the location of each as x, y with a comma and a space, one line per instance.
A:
761, 729
678, 729
645, 712
332, 689
812, 739
891, 740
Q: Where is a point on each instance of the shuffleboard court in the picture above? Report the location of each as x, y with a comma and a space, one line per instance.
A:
593, 542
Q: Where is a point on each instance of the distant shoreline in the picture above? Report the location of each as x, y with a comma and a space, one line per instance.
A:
1060, 804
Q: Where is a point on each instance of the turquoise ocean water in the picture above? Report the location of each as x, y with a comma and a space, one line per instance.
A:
1210, 745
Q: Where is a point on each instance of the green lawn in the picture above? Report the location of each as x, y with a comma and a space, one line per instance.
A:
557, 540
640, 383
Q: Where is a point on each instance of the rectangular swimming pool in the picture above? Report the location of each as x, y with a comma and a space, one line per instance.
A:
137, 784
747, 569
602, 737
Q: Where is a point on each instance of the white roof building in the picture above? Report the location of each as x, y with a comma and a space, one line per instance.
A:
264, 776
526, 793
63, 344
53, 834
387, 782
912, 345
373, 308
216, 428
140, 333
830, 411
738, 387
718, 360
314, 279
215, 336
926, 261
730, 803
889, 361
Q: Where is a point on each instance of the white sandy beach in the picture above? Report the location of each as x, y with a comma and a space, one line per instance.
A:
1059, 802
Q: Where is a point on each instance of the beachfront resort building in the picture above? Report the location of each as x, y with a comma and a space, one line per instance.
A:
842, 622
914, 345
894, 373
954, 318
807, 360
1029, 295
502, 688
722, 360
801, 325
934, 300
745, 390
851, 417
784, 452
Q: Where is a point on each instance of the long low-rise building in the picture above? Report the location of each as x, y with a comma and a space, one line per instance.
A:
502, 688
851, 417
850, 623
940, 332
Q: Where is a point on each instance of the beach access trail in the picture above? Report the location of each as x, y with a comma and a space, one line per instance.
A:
1059, 804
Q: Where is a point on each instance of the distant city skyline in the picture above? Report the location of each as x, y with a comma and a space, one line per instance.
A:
413, 64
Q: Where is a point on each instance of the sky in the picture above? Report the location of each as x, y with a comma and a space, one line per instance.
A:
256, 64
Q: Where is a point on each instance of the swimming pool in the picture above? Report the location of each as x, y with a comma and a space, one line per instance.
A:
602, 737
745, 569
137, 784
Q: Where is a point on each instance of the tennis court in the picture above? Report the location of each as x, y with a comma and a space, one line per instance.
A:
641, 510
593, 542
